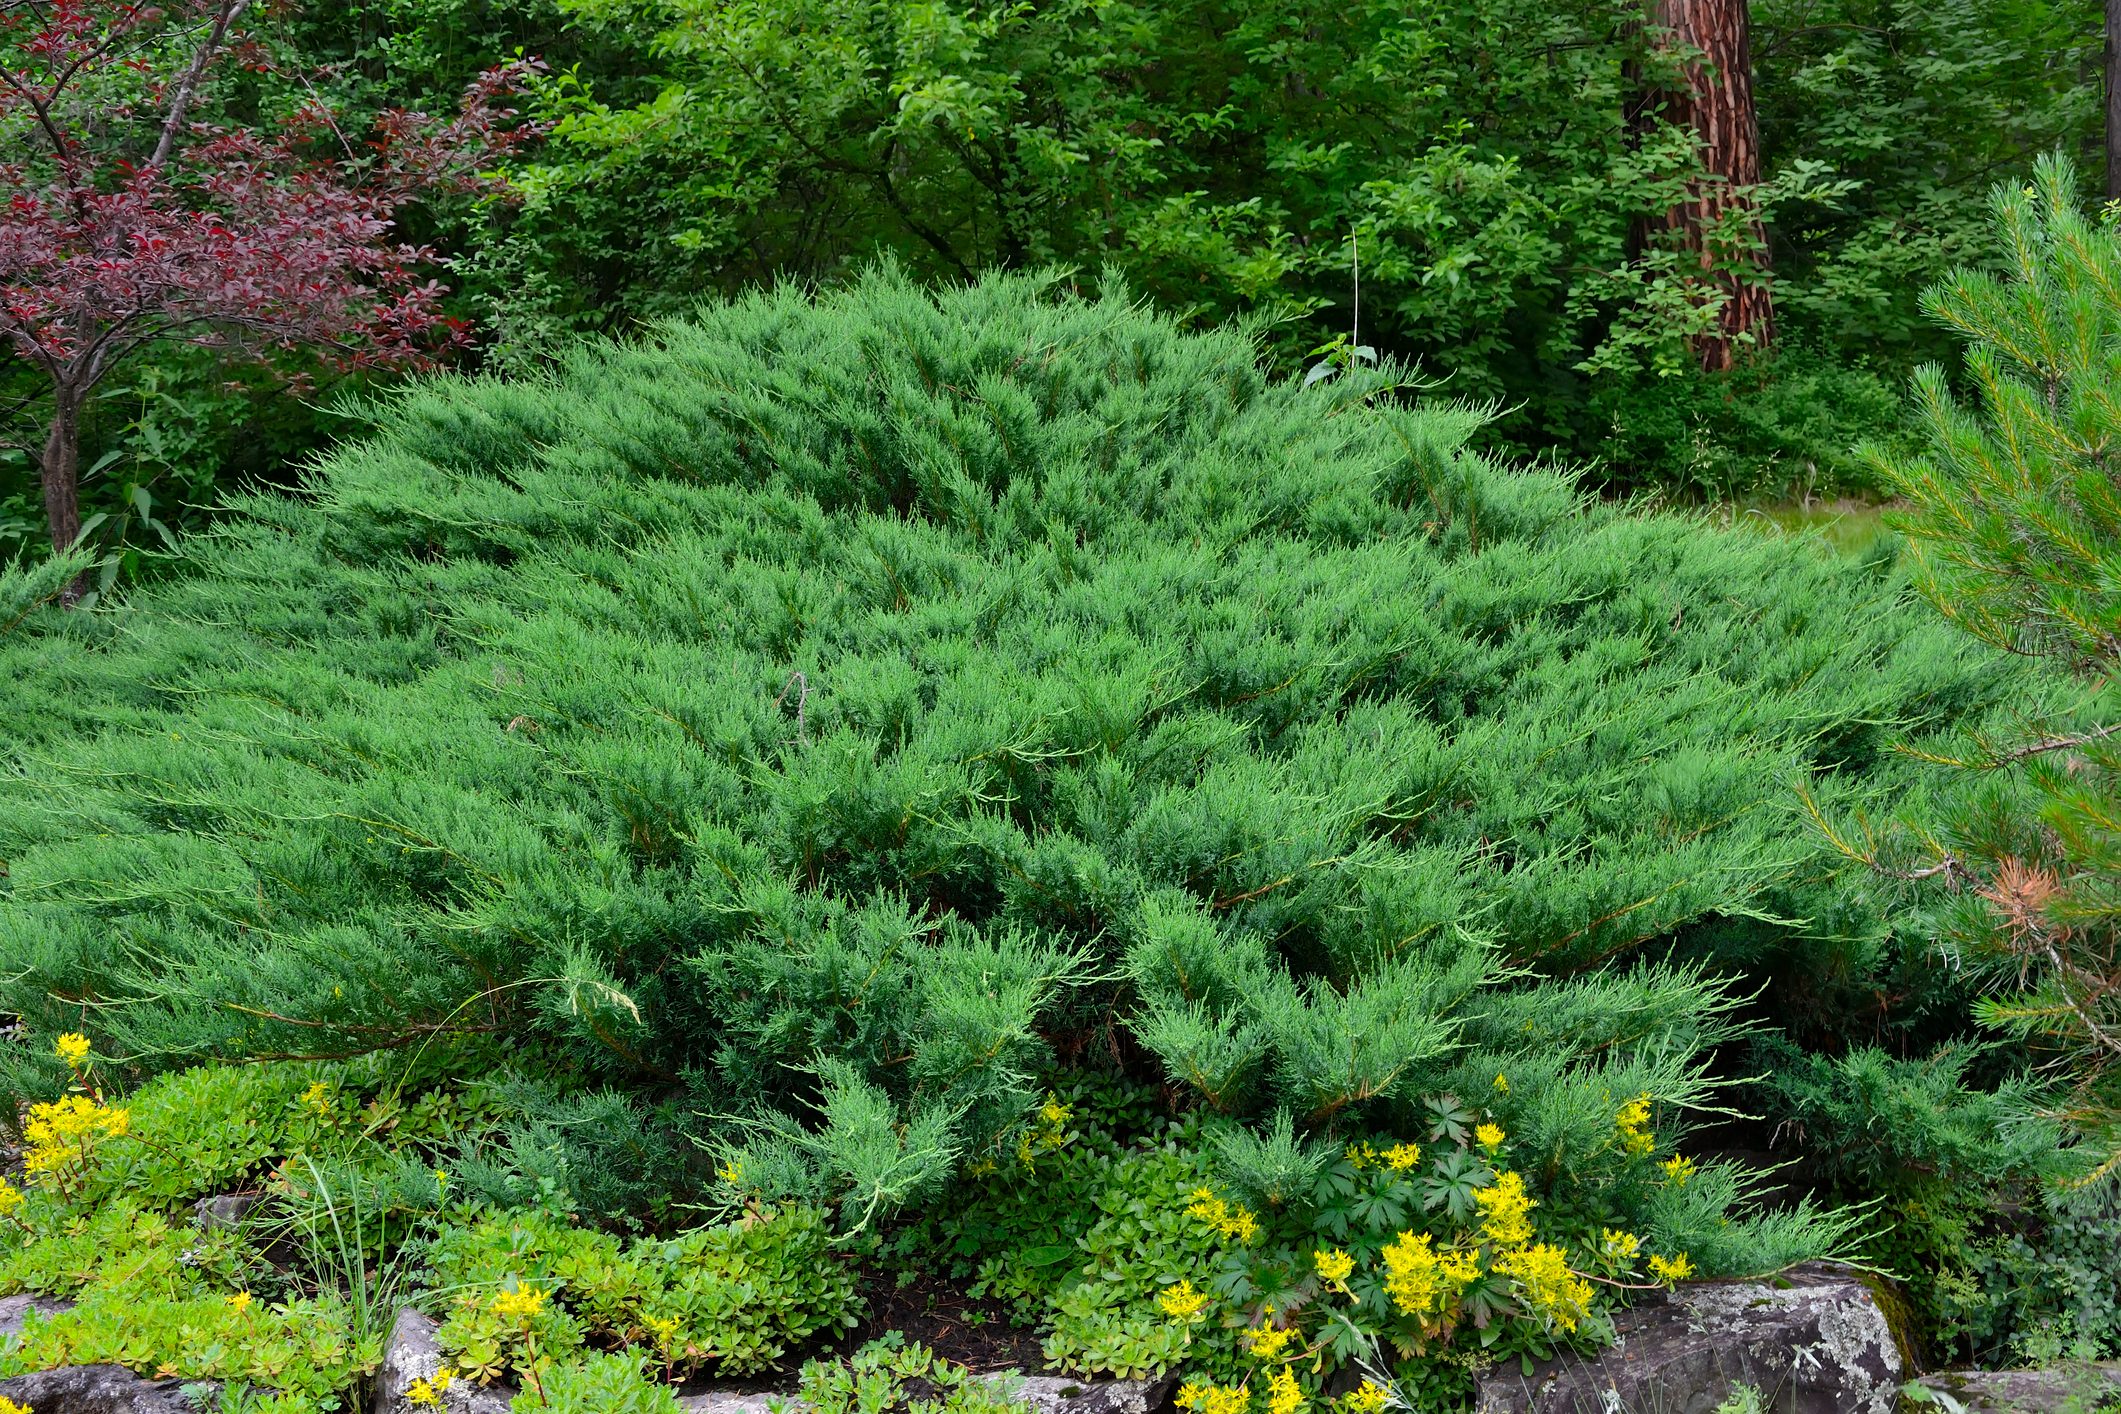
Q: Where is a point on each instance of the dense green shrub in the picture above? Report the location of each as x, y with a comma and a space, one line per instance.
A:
831, 710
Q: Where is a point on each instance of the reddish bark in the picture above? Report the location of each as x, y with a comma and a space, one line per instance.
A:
128, 221
1711, 44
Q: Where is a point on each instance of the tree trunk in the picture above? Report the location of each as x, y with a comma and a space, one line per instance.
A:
1716, 101
2113, 100
61, 474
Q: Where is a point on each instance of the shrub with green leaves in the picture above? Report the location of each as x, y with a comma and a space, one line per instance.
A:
523, 1288
834, 709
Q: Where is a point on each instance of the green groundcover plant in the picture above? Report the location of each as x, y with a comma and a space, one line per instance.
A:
831, 714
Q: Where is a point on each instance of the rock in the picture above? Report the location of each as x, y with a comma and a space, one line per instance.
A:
719, 1402
1050, 1394
1814, 1342
2067, 1388
226, 1212
99, 1389
412, 1355
15, 1312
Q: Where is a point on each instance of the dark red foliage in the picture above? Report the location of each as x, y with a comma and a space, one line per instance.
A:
128, 219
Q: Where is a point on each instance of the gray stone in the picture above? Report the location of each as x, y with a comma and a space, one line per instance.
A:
97, 1389
721, 1402
412, 1355
2067, 1389
225, 1213
1812, 1342
15, 1312
1050, 1394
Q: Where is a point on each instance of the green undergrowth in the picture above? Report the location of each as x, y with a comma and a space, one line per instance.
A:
827, 732
366, 1196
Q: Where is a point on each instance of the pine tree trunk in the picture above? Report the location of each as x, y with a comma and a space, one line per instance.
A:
2113, 100
1717, 103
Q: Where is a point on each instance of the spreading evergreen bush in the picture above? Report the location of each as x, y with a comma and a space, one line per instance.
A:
834, 711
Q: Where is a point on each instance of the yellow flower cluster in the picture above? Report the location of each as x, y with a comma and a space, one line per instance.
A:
241, 1302
1048, 1134
1182, 1302
1621, 1246
10, 1199
1679, 1168
1334, 1265
72, 1048
1369, 1397
1677, 1269
521, 1304
1502, 1083
1633, 1123
1268, 1342
1200, 1397
1399, 1158
1548, 1286
66, 1130
317, 1098
1232, 1221
1489, 1137
427, 1394
1284, 1395
1419, 1279
1505, 1210
8, 1406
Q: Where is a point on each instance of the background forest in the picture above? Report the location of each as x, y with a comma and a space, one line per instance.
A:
1481, 171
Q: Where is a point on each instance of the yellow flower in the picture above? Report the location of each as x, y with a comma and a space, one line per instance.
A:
1054, 1113
1678, 1168
423, 1394
1284, 1395
1547, 1285
64, 1131
1505, 1210
1267, 1342
521, 1304
1182, 1302
8, 1406
72, 1048
732, 1172
10, 1199
1677, 1269
442, 1180
1621, 1246
241, 1301
1489, 1136
1633, 1122
1502, 1084
1362, 1156
1213, 1399
1402, 1157
1232, 1222
1411, 1278
1333, 1264
1367, 1398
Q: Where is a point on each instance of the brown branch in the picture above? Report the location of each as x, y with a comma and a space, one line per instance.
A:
187, 87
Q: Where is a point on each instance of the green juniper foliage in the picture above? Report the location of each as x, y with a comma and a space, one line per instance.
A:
833, 709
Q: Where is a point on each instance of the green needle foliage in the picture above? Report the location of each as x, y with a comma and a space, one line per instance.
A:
2015, 528
840, 709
